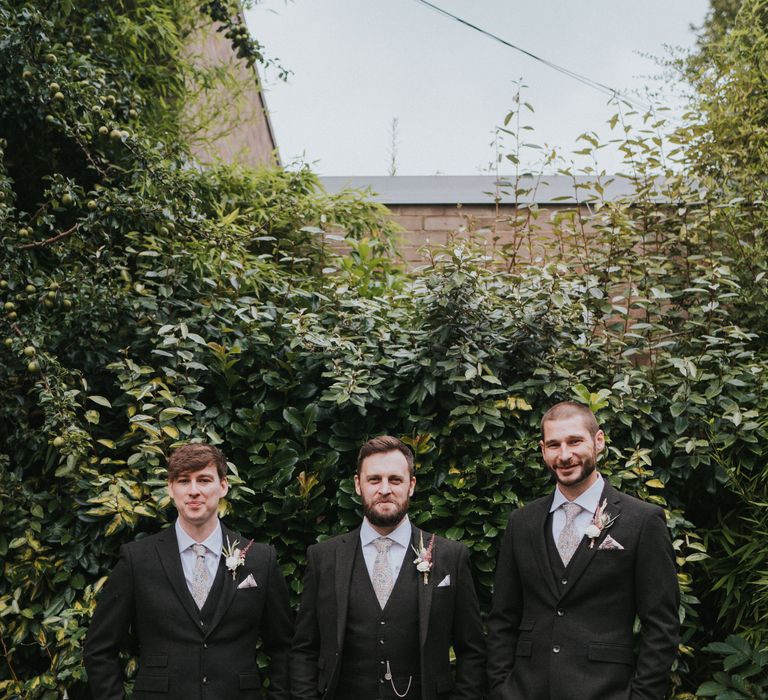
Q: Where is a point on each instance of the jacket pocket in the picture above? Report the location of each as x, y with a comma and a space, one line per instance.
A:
524, 647
151, 684
249, 681
612, 653
444, 684
526, 625
154, 660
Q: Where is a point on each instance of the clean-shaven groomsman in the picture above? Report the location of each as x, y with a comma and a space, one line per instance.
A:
383, 605
575, 570
194, 600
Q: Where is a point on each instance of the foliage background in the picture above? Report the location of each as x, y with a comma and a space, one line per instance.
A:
147, 302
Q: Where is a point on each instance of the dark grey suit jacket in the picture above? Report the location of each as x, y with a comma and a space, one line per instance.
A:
146, 598
575, 641
448, 616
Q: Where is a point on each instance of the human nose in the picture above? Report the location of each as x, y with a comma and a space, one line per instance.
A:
385, 487
565, 453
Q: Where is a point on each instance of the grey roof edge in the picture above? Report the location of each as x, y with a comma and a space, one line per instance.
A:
483, 189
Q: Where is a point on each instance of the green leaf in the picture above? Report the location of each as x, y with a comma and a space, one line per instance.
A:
101, 401
454, 533
173, 411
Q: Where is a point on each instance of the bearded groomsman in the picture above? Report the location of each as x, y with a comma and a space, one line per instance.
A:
576, 568
194, 599
372, 622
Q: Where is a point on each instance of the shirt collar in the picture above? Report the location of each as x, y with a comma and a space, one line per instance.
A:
213, 542
589, 500
401, 534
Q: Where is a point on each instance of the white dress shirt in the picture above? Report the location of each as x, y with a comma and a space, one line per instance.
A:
212, 546
401, 543
589, 501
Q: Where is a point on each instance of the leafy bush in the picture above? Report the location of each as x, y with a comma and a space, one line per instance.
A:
744, 675
148, 303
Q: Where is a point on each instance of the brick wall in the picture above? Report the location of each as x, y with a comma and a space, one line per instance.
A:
527, 233
241, 133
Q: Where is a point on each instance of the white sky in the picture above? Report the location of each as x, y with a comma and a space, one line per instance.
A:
358, 64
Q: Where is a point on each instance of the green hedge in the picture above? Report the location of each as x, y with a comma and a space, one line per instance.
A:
148, 302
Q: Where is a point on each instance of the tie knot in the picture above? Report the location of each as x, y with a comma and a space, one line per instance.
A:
571, 511
199, 549
382, 544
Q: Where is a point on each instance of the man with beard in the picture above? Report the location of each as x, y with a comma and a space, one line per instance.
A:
576, 568
383, 605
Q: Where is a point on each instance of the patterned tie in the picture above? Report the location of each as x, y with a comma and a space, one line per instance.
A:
201, 577
569, 538
382, 572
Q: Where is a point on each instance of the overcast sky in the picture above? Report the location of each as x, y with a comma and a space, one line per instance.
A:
359, 64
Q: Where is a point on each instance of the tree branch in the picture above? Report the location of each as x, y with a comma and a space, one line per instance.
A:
52, 239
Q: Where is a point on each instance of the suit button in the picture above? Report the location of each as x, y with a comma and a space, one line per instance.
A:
381, 641
205, 680
382, 622
560, 612
563, 581
556, 649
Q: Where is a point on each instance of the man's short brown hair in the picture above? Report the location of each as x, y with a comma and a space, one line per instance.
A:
384, 443
194, 457
568, 409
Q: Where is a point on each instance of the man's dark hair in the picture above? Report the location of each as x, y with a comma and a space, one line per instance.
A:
568, 409
194, 457
384, 443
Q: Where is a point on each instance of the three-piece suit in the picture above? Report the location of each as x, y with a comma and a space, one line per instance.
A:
560, 632
346, 647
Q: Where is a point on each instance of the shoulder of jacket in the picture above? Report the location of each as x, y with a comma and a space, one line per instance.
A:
333, 542
148, 541
642, 507
447, 543
530, 507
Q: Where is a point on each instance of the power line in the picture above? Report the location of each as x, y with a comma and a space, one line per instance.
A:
594, 84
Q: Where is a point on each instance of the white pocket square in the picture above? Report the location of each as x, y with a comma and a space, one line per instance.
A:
249, 582
610, 543
445, 582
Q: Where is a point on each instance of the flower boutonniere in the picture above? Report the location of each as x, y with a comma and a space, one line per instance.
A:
234, 557
423, 558
601, 520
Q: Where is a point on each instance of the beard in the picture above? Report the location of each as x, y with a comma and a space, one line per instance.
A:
385, 519
588, 466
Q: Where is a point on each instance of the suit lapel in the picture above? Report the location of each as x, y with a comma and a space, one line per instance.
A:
585, 553
345, 559
170, 559
539, 532
425, 590
227, 594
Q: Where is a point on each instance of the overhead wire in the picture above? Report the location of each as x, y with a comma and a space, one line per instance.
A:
589, 82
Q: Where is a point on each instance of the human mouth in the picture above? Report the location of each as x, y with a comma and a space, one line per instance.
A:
566, 467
